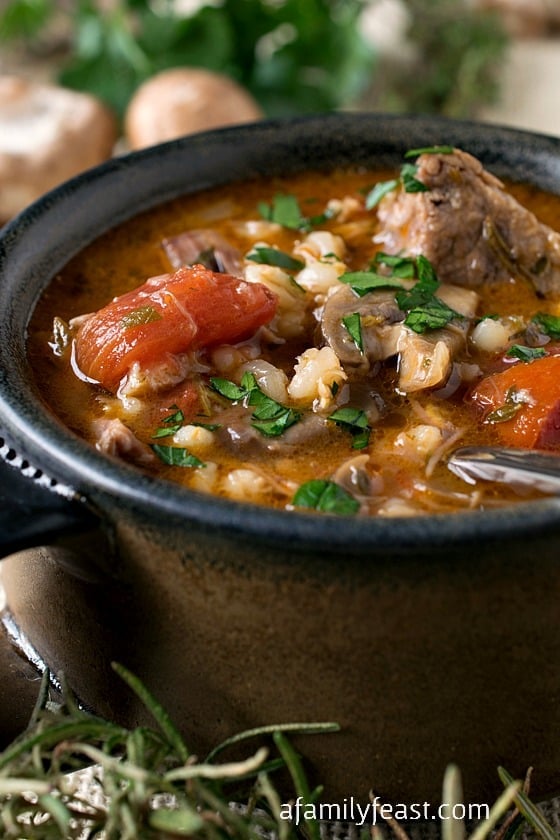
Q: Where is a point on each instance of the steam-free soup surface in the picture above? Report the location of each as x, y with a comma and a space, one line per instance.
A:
321, 341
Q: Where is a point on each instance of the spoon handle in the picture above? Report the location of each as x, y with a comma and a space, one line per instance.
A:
518, 467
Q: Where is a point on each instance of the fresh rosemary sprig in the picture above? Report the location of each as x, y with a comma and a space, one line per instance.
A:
141, 782
76, 776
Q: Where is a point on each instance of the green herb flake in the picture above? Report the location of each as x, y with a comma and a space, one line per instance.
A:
429, 150
327, 497
273, 256
176, 456
270, 418
410, 182
228, 389
503, 413
432, 315
170, 424
211, 427
285, 211
363, 282
356, 422
549, 324
403, 267
139, 317
353, 324
379, 191
424, 310
526, 354
321, 218
512, 405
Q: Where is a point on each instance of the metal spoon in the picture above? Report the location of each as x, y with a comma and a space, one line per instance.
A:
517, 467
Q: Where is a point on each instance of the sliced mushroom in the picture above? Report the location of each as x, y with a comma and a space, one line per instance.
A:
380, 319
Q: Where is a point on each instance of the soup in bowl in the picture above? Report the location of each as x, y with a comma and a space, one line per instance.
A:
319, 341
251, 352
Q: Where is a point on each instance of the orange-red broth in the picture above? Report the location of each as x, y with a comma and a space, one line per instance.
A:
125, 257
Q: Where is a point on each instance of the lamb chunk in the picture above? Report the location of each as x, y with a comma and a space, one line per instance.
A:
468, 227
237, 435
114, 438
206, 247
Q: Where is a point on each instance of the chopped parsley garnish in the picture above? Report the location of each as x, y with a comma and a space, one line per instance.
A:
271, 418
176, 456
404, 267
379, 191
170, 424
431, 315
314, 221
355, 421
549, 324
228, 389
140, 316
407, 178
363, 282
285, 211
424, 310
526, 354
512, 405
353, 324
325, 496
410, 182
273, 256
429, 150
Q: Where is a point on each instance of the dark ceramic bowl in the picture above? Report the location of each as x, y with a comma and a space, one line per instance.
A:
427, 639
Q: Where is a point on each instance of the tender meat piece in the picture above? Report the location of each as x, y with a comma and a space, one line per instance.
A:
380, 320
470, 229
238, 435
114, 438
207, 247
425, 360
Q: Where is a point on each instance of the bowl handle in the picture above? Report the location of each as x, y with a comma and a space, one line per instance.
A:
36, 510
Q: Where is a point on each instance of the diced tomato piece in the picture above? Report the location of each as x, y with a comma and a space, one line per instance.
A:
523, 403
174, 313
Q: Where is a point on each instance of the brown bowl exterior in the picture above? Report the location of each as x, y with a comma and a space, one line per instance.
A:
428, 640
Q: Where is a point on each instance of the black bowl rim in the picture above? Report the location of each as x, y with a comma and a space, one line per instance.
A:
106, 482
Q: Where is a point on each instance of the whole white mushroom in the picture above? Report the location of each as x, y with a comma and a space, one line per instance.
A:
185, 100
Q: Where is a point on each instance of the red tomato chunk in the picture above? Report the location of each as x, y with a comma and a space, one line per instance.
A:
174, 313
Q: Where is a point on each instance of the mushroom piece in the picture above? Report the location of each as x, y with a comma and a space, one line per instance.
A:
380, 318
184, 100
47, 135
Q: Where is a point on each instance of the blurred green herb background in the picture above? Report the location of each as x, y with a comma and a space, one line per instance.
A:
294, 56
